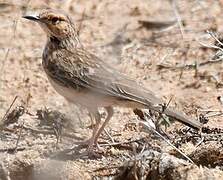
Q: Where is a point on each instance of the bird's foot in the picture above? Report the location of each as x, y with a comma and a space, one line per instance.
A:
94, 153
93, 148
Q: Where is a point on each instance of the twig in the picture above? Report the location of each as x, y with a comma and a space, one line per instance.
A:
19, 137
124, 142
189, 66
39, 131
6, 113
156, 132
217, 47
107, 168
166, 105
12, 150
215, 37
161, 117
156, 25
179, 20
209, 110
212, 135
210, 46
199, 143
108, 134
81, 22
13, 116
214, 115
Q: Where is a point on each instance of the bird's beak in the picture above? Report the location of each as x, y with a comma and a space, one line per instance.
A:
32, 17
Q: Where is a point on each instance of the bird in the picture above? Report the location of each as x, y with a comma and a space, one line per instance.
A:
84, 79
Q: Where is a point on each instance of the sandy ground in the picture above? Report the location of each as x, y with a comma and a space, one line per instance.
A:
112, 30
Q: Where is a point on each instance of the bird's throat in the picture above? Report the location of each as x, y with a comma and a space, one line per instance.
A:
68, 43
54, 40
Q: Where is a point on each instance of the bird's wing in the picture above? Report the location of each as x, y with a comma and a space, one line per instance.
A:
83, 70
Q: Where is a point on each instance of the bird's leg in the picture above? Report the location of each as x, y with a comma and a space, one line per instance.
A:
86, 142
92, 141
97, 131
110, 112
92, 122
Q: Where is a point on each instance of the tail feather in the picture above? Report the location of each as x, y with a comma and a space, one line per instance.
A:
183, 118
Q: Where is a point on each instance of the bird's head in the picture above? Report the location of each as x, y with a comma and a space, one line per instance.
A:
55, 23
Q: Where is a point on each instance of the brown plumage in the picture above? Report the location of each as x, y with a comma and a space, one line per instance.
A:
85, 79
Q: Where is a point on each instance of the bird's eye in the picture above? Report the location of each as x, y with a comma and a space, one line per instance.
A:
55, 20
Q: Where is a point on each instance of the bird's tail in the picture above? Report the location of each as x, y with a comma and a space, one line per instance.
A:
183, 118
